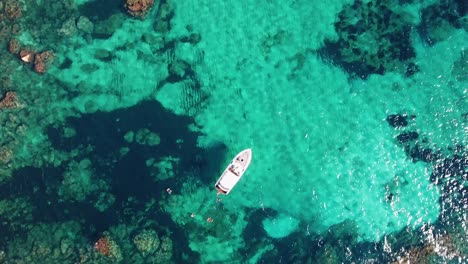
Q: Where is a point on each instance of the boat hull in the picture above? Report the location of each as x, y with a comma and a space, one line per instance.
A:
233, 172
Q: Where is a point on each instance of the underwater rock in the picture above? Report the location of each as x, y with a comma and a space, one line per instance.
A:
407, 136
397, 120
138, 8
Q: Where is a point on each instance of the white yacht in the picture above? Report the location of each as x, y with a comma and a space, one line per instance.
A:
234, 172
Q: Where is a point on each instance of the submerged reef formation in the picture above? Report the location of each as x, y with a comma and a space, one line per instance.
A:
80, 181
437, 246
12, 9
95, 170
50, 22
374, 37
151, 247
9, 101
146, 241
449, 172
48, 243
460, 68
443, 241
40, 60
10, 13
108, 247
138, 8
117, 220
439, 20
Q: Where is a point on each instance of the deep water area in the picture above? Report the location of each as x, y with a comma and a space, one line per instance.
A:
118, 117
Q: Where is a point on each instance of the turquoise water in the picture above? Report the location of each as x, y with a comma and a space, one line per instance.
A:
356, 113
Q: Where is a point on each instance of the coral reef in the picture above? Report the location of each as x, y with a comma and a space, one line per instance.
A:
104, 201
143, 136
15, 212
108, 247
13, 9
79, 182
9, 25
192, 210
5, 155
147, 137
47, 243
138, 8
146, 241
163, 169
134, 244
41, 60
103, 246
374, 36
50, 22
85, 25
164, 254
14, 46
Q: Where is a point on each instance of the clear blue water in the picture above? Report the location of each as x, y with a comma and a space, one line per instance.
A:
114, 130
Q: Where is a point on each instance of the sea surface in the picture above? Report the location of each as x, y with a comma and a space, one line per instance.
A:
117, 118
